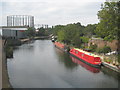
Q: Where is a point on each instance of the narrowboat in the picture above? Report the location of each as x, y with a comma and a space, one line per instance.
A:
59, 45
86, 57
53, 40
84, 65
62, 46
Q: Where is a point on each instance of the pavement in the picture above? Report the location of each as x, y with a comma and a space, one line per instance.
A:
113, 67
4, 79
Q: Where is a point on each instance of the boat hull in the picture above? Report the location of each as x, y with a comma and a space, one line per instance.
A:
93, 65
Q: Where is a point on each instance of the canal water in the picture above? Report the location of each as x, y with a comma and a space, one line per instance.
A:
40, 65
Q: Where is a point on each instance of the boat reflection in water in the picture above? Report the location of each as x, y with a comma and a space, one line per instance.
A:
90, 68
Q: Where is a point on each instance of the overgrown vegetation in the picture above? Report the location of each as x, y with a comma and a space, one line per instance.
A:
105, 49
30, 33
10, 43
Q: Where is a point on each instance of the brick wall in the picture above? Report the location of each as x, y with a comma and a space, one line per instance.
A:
101, 43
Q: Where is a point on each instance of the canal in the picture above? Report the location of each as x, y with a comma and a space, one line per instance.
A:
40, 65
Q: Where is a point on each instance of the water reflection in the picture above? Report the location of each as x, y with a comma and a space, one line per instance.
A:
110, 73
65, 59
87, 67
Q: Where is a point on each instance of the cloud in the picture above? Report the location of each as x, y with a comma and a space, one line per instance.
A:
53, 12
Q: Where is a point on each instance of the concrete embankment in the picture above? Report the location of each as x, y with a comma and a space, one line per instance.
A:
110, 64
112, 67
0, 63
4, 73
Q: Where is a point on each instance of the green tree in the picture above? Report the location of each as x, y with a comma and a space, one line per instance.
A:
89, 30
85, 39
30, 32
61, 36
107, 28
41, 31
57, 28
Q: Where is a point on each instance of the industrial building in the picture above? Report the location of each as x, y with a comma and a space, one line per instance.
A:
16, 26
20, 20
14, 32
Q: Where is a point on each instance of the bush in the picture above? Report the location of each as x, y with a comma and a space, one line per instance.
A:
93, 47
84, 39
104, 50
9, 51
99, 50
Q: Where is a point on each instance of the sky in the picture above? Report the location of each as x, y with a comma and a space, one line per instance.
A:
52, 12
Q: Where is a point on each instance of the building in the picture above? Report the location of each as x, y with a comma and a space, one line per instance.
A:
16, 26
14, 32
20, 20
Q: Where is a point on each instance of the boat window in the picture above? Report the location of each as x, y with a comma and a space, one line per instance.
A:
76, 52
82, 55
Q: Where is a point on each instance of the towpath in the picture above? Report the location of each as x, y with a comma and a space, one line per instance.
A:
0, 63
4, 80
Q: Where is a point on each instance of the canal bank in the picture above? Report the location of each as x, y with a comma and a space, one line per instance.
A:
112, 67
5, 77
116, 68
0, 63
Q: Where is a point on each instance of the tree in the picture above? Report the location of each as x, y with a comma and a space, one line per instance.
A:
89, 30
41, 31
30, 32
57, 28
107, 28
61, 35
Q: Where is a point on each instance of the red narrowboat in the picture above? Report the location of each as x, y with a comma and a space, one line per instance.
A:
86, 57
86, 66
62, 46
59, 45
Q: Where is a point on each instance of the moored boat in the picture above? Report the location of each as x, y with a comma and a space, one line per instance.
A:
62, 46
86, 57
53, 40
84, 65
59, 45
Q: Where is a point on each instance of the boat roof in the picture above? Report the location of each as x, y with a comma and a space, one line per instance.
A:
88, 53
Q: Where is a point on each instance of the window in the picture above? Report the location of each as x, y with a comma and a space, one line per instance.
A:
76, 52
16, 33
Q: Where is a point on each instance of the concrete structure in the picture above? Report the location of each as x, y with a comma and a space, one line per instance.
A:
20, 20
14, 32
0, 62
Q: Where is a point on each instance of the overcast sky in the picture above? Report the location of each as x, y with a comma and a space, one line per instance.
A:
53, 12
